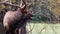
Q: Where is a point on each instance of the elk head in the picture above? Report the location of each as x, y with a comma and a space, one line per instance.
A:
26, 12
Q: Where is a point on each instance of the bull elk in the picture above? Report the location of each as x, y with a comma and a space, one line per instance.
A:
15, 19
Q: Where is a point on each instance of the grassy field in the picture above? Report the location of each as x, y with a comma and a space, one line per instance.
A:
43, 28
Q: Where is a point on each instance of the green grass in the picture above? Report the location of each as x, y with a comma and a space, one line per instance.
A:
42, 28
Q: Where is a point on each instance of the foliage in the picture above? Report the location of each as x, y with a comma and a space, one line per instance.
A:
37, 7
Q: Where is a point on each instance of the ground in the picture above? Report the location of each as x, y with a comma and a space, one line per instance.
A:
43, 28
40, 28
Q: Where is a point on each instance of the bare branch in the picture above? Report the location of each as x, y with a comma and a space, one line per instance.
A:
5, 3
9, 4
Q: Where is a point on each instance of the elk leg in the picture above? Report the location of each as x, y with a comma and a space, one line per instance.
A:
13, 32
16, 31
19, 30
7, 32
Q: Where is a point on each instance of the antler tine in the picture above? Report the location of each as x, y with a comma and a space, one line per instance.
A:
24, 6
21, 4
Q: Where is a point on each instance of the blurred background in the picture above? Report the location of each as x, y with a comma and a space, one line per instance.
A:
46, 16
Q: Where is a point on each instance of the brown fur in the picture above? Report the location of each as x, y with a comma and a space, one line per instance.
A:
13, 20
14, 17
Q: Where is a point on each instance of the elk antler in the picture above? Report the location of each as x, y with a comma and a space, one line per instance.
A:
24, 6
21, 4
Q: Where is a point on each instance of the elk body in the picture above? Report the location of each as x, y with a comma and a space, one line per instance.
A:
15, 19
